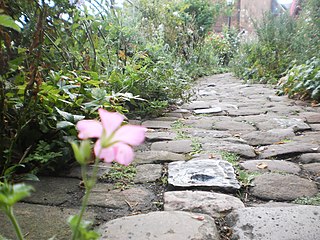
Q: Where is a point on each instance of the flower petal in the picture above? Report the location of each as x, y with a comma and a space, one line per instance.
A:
110, 120
124, 153
89, 129
130, 134
107, 154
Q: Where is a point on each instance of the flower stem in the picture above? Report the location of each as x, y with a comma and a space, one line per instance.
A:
89, 184
14, 222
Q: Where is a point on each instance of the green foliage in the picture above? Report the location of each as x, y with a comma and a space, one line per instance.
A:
82, 230
67, 62
282, 41
196, 146
224, 45
265, 58
11, 194
303, 80
244, 177
42, 154
7, 21
315, 200
121, 176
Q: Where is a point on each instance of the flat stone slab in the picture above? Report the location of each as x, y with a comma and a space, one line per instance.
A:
202, 133
270, 165
166, 118
148, 173
285, 109
214, 204
311, 117
158, 157
274, 186
103, 169
177, 146
160, 136
157, 124
257, 138
313, 168
230, 125
275, 223
288, 149
196, 105
295, 123
203, 173
168, 225
53, 190
243, 150
173, 114
135, 198
208, 110
315, 127
309, 158
246, 111
203, 123
40, 222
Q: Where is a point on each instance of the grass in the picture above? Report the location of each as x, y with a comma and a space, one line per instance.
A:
122, 176
244, 177
196, 146
179, 124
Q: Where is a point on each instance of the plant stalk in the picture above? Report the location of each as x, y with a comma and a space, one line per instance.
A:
15, 224
89, 184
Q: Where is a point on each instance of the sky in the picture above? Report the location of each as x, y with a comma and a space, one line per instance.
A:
284, 1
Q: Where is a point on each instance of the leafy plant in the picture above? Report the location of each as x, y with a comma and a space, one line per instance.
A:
315, 200
244, 177
121, 176
302, 81
282, 42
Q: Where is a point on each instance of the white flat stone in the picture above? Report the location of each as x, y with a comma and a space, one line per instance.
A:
203, 173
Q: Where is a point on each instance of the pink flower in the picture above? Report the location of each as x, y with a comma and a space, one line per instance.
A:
114, 142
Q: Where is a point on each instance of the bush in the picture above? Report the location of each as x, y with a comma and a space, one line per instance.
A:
265, 58
65, 63
281, 41
303, 81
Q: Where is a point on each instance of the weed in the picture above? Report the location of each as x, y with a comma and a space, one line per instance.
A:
315, 200
244, 177
177, 125
230, 157
121, 176
196, 146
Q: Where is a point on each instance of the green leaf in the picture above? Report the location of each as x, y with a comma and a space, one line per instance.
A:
7, 21
69, 117
11, 194
30, 177
64, 124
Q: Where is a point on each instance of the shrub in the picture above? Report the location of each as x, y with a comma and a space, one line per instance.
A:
303, 81
266, 57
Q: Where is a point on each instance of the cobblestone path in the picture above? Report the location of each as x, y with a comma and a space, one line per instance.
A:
237, 162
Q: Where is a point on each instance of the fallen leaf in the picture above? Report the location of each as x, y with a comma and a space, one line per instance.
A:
262, 165
281, 142
315, 104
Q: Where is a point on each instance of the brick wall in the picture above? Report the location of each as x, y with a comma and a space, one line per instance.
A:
245, 12
252, 10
